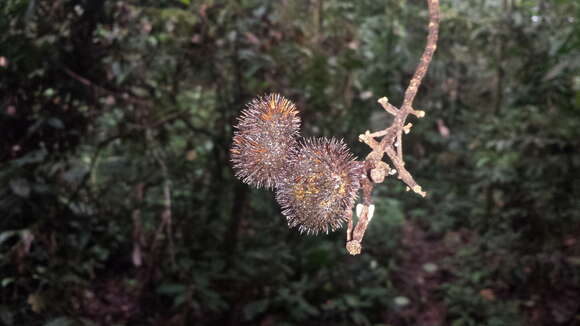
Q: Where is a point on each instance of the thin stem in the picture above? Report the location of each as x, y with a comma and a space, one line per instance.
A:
392, 136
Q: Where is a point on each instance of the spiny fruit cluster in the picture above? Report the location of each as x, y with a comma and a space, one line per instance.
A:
316, 180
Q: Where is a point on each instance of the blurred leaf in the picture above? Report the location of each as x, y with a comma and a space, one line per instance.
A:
20, 187
36, 302
352, 300
171, 288
253, 309
6, 316
7, 281
402, 301
55, 123
5, 235
430, 267
60, 321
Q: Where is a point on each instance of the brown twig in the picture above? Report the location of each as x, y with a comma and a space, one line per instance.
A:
102, 90
392, 139
167, 214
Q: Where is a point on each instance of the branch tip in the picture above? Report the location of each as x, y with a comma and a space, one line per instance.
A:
388, 106
353, 247
419, 190
363, 137
418, 113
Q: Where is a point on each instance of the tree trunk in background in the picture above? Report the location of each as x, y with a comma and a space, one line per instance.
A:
230, 239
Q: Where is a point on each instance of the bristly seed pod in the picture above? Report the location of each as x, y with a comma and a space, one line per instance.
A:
267, 133
321, 185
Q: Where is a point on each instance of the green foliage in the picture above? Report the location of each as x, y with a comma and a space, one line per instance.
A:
119, 203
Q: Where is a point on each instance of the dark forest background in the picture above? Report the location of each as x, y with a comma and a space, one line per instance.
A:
118, 205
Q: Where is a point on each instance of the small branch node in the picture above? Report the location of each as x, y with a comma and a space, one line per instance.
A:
379, 172
418, 113
362, 138
407, 128
366, 138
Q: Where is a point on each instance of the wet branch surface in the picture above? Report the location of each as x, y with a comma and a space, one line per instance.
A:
390, 141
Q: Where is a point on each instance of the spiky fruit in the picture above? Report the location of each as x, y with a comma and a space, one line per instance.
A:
321, 185
267, 133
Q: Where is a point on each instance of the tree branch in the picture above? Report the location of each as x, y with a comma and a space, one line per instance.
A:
392, 138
